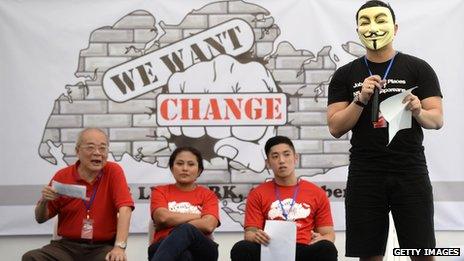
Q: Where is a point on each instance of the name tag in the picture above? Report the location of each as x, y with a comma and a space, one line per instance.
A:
87, 229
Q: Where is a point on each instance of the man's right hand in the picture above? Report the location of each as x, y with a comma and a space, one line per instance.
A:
49, 194
257, 235
368, 86
41, 210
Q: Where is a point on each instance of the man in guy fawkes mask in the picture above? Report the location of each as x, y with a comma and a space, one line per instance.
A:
385, 176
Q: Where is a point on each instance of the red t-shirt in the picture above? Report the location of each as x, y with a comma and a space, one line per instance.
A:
310, 210
112, 193
201, 200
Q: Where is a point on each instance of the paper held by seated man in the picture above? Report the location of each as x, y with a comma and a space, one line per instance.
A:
282, 245
74, 191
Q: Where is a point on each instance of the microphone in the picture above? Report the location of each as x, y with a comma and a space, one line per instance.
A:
375, 105
375, 95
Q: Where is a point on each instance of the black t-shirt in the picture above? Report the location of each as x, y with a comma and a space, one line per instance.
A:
369, 150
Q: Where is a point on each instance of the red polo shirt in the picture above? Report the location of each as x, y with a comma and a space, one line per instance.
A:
111, 194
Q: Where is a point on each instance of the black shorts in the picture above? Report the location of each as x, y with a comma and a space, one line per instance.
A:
369, 198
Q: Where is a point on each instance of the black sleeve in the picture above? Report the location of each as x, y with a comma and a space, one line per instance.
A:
427, 81
338, 91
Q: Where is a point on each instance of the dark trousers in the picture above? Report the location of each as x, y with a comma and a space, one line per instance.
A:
66, 250
185, 242
369, 198
323, 250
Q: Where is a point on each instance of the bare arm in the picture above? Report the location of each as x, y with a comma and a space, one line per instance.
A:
205, 224
428, 112
342, 116
41, 210
124, 218
162, 217
323, 233
122, 233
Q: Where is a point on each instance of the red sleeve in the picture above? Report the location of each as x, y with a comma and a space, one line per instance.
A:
323, 216
210, 205
121, 193
253, 212
158, 198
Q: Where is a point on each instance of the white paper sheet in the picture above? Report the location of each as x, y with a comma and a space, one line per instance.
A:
394, 111
282, 245
75, 191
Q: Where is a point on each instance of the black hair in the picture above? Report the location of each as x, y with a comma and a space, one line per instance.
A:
374, 3
194, 151
276, 141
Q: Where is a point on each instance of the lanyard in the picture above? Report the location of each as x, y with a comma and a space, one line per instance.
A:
89, 204
386, 71
280, 202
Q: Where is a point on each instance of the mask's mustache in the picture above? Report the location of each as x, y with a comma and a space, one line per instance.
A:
374, 34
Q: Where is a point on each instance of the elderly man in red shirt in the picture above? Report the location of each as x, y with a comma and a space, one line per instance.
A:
92, 229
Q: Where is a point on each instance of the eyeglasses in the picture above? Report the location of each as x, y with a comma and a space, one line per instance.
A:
93, 148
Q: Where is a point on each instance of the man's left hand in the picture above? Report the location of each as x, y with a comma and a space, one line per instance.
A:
116, 254
316, 237
414, 104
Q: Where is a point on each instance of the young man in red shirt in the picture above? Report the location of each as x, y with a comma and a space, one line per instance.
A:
290, 199
92, 229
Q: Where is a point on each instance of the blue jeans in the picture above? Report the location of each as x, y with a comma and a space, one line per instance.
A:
185, 242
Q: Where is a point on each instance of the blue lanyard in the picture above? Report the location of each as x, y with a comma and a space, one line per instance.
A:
280, 202
89, 204
386, 71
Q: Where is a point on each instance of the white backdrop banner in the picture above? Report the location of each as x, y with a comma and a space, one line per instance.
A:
223, 76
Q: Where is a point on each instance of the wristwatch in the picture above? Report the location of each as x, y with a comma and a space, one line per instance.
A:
121, 244
358, 101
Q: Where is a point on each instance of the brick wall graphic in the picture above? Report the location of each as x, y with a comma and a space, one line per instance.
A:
234, 154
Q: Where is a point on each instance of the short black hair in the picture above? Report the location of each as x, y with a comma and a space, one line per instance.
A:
374, 3
194, 151
276, 141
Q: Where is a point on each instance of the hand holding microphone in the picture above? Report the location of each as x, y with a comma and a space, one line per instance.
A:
371, 88
372, 85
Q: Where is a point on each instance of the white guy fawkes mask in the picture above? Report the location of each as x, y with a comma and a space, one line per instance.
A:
375, 27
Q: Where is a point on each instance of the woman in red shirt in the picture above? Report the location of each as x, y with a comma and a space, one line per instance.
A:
184, 213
